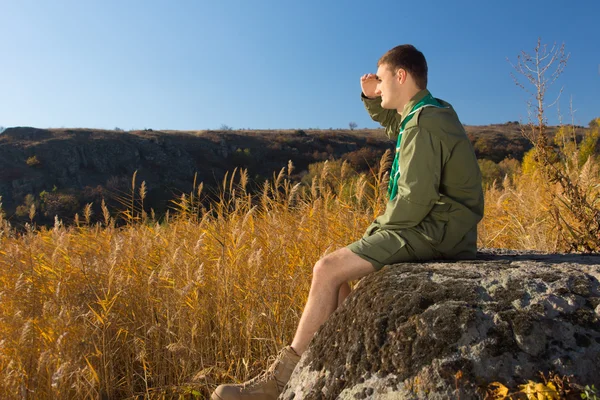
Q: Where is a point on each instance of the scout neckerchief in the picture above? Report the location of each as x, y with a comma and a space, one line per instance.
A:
427, 101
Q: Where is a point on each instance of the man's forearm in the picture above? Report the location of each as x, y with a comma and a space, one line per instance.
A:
377, 113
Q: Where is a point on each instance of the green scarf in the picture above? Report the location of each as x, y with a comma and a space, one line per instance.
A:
427, 101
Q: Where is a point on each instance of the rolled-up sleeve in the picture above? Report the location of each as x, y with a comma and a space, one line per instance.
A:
387, 118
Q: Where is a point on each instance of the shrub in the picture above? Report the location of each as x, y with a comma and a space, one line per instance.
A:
29, 203
510, 167
242, 158
363, 158
59, 204
33, 161
482, 145
588, 146
490, 171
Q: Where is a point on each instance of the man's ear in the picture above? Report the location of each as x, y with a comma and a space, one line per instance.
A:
401, 75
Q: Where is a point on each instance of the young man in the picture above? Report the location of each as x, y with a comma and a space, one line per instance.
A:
435, 203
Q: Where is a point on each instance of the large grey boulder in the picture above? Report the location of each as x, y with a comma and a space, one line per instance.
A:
407, 330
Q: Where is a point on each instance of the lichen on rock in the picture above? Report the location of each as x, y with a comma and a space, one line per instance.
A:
410, 330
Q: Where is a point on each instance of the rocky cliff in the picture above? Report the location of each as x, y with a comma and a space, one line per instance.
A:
85, 165
409, 330
35, 160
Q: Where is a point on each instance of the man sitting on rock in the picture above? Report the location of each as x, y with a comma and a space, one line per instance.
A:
435, 203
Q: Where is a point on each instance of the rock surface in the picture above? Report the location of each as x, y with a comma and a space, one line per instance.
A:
407, 330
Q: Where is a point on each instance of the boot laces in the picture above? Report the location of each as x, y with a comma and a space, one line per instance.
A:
267, 374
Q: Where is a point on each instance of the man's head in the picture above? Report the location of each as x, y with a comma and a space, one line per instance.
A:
402, 72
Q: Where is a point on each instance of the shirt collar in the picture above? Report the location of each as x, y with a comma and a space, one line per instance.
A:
412, 102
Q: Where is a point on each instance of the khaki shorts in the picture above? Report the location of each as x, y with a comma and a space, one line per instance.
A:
383, 247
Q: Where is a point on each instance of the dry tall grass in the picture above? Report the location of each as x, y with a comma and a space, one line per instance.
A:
158, 310
528, 212
167, 310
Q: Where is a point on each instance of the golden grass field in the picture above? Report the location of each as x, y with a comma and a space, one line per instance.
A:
169, 310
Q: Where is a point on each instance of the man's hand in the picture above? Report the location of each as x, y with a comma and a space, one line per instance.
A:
368, 84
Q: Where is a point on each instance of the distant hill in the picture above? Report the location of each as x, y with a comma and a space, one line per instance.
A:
79, 166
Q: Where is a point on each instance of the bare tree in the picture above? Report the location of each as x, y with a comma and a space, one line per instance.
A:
539, 71
352, 125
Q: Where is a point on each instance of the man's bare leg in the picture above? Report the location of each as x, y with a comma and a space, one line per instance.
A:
328, 289
343, 293
329, 274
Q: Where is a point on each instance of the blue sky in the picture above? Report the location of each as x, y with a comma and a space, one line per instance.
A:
267, 64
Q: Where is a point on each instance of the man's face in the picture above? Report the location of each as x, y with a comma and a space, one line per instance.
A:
388, 87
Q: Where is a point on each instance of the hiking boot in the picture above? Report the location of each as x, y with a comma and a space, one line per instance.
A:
266, 386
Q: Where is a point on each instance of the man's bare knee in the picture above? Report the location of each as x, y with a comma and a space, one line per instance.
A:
339, 267
324, 271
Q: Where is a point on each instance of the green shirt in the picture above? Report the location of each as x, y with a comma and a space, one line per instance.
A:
439, 193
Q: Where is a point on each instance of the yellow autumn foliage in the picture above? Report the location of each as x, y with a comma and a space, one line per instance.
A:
496, 391
539, 391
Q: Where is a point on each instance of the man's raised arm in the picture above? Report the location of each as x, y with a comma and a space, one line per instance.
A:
387, 118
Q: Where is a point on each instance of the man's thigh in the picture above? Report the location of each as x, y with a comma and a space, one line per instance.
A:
343, 265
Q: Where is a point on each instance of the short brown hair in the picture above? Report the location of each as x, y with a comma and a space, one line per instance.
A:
407, 57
